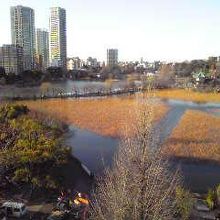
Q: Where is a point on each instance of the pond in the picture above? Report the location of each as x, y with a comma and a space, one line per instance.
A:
97, 152
67, 86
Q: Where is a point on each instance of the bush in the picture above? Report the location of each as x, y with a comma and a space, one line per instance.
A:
218, 194
9, 112
184, 203
211, 199
218, 191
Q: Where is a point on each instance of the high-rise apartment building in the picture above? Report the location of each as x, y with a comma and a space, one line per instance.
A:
11, 58
112, 57
58, 51
23, 33
42, 49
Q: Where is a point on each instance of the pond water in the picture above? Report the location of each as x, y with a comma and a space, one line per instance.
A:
199, 177
97, 152
56, 87
193, 105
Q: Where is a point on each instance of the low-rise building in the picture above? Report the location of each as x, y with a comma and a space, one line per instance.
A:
74, 63
213, 59
92, 62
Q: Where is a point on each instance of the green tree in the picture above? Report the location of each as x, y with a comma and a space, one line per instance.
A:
34, 148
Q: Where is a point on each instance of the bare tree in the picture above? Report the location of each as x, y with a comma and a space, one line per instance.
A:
166, 75
140, 185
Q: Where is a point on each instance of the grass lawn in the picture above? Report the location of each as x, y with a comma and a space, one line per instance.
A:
196, 136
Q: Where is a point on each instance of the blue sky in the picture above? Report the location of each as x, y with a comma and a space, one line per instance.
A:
167, 30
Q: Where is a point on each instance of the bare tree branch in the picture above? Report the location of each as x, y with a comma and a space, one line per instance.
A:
140, 185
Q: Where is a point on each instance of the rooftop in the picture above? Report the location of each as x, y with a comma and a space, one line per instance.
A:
13, 204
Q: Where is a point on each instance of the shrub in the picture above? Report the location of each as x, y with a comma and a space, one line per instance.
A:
9, 112
184, 203
218, 191
211, 198
218, 194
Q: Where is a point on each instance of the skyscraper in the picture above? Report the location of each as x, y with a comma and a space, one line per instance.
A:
112, 57
42, 49
23, 32
58, 51
11, 58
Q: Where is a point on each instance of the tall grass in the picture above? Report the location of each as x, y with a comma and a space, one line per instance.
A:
108, 116
196, 136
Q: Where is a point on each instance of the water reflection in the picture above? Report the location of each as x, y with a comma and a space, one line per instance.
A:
192, 105
67, 86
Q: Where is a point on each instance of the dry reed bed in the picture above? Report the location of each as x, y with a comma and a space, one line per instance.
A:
107, 116
195, 137
187, 95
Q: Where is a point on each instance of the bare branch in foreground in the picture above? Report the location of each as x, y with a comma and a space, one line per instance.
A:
140, 185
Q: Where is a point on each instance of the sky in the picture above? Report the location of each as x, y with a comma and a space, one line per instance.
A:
166, 30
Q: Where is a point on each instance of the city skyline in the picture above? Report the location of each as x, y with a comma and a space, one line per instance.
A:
158, 30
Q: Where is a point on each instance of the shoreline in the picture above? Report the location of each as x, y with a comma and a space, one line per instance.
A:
184, 95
